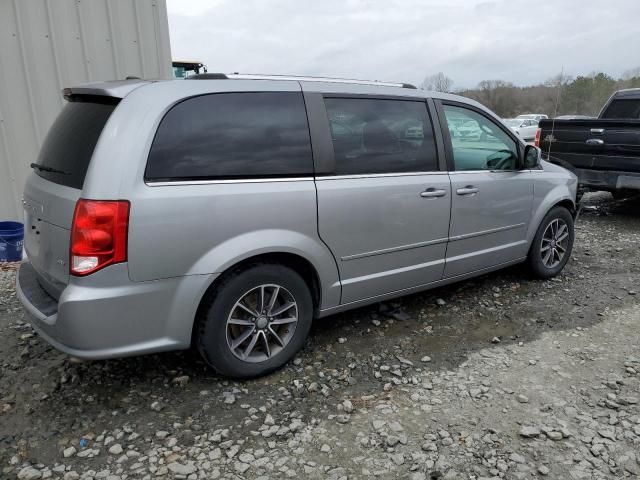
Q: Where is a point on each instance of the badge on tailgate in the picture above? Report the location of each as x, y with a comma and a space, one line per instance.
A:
32, 226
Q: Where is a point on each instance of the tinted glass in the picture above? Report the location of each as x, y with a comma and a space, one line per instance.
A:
381, 136
479, 143
624, 109
233, 135
71, 140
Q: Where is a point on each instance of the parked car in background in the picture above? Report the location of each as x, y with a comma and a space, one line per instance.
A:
605, 152
469, 130
524, 127
454, 124
573, 117
532, 116
153, 225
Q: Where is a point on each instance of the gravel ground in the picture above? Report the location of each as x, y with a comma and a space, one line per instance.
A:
498, 377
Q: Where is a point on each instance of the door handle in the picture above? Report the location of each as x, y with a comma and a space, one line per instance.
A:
433, 193
595, 141
468, 190
597, 131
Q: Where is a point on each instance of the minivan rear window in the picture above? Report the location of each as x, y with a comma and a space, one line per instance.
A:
232, 136
69, 145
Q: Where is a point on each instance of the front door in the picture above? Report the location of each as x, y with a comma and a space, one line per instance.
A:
383, 210
491, 197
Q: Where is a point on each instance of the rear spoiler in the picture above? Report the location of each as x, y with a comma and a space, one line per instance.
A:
115, 88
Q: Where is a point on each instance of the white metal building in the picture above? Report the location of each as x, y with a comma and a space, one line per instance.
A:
46, 45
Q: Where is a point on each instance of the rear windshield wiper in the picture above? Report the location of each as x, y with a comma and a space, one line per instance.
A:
49, 169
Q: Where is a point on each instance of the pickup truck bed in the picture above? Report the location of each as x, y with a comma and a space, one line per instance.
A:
604, 153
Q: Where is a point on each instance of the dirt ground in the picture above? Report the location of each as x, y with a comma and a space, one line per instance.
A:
501, 376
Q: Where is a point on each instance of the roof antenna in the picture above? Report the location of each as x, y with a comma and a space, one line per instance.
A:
555, 113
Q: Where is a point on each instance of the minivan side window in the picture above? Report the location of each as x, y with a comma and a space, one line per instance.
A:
478, 143
232, 135
373, 136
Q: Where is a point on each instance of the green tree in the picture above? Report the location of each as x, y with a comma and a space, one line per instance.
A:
437, 83
583, 95
575, 97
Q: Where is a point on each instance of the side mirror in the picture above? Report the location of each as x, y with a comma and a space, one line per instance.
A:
532, 157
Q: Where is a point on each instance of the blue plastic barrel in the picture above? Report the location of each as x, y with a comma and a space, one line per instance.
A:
11, 240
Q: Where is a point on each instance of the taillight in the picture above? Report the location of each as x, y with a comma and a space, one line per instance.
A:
98, 235
536, 142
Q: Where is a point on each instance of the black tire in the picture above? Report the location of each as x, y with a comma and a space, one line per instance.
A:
211, 326
535, 258
621, 194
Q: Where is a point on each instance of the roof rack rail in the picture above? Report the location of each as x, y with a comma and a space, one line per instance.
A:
250, 76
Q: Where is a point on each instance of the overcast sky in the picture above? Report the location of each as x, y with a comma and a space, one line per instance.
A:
522, 41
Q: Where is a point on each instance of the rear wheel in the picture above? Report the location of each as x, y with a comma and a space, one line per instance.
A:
552, 244
254, 321
622, 194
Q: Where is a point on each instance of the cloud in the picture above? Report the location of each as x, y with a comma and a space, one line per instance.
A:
521, 41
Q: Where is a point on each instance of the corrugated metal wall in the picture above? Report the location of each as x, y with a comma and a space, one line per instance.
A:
46, 45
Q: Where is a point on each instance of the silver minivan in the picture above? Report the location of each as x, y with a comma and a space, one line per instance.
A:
226, 212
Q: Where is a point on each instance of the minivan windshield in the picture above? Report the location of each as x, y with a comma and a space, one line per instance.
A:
67, 149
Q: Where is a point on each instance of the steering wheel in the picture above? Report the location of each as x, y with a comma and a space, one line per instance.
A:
500, 160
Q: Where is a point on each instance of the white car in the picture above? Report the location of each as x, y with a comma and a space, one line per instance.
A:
469, 130
532, 116
523, 127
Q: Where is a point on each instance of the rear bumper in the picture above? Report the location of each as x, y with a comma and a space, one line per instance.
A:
608, 180
107, 315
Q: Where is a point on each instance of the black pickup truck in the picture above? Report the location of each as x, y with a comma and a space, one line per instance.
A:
604, 152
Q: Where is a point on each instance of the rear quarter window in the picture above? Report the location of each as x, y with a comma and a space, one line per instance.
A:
623, 109
71, 140
232, 135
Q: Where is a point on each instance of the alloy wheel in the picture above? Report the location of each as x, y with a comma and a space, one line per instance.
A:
555, 242
261, 323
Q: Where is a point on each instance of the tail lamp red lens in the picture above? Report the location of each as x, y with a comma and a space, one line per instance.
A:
536, 142
98, 235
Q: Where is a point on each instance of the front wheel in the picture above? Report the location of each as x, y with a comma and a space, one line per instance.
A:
254, 321
552, 244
